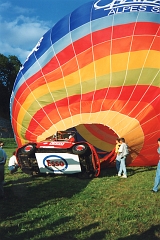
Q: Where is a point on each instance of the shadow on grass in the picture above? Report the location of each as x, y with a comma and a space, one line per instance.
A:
25, 193
152, 233
110, 172
134, 170
53, 186
73, 234
39, 233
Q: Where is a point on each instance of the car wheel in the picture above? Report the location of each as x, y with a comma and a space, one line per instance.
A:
28, 149
80, 149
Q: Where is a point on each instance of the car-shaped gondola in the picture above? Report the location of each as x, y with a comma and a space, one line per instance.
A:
60, 154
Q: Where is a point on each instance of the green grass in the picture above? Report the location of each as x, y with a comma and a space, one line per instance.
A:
65, 207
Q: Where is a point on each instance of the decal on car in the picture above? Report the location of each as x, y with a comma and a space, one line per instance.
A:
58, 163
55, 163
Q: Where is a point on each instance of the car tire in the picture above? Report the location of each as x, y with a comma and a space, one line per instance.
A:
28, 149
80, 149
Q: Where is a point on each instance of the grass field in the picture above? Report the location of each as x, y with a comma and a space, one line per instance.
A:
61, 207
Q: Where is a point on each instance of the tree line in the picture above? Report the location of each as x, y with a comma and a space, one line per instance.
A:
9, 67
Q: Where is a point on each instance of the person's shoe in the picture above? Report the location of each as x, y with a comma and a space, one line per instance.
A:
153, 191
119, 175
124, 176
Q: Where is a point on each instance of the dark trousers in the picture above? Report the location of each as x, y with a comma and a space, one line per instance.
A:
1, 179
118, 165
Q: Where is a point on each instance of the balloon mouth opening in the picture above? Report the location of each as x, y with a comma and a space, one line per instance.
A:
100, 136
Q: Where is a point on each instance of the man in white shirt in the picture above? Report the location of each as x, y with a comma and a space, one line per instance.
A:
122, 154
13, 164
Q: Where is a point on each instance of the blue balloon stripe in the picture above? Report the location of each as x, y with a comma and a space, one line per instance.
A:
44, 44
81, 15
81, 32
149, 17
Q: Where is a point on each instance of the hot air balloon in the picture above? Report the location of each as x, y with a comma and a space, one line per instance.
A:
97, 71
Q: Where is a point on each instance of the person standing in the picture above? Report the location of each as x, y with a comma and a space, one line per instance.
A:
3, 158
13, 164
116, 152
157, 177
122, 154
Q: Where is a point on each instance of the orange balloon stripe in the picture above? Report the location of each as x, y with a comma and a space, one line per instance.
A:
156, 45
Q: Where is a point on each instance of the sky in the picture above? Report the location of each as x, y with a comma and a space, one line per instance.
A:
24, 22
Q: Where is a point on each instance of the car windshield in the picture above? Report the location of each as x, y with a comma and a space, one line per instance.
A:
61, 136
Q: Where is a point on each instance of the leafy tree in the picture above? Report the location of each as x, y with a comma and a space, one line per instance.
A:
9, 67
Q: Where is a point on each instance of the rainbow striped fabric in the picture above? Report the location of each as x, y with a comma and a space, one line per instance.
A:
98, 70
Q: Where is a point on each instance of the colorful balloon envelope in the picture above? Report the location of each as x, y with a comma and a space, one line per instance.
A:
97, 70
